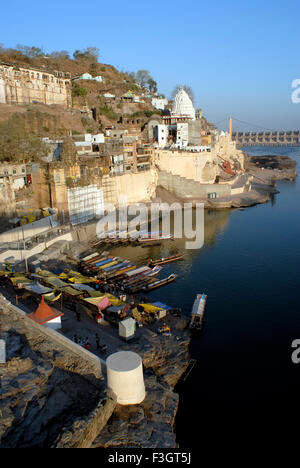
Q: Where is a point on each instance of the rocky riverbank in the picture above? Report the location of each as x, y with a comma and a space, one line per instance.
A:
263, 171
255, 186
52, 398
151, 423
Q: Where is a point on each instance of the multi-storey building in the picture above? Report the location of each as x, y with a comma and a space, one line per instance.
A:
21, 85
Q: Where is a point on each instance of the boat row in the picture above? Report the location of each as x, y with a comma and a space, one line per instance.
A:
137, 238
124, 274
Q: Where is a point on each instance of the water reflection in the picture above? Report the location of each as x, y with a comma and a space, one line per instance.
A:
215, 223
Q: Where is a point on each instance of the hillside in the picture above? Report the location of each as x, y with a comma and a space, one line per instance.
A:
91, 111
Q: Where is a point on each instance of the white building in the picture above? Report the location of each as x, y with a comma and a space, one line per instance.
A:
182, 135
160, 134
87, 76
127, 328
159, 103
87, 142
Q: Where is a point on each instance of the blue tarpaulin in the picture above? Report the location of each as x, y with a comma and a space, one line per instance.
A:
161, 305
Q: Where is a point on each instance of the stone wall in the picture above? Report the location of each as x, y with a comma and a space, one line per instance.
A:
201, 167
204, 166
189, 189
45, 340
28, 230
138, 187
53, 393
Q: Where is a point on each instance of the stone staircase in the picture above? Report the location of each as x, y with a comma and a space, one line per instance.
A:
185, 188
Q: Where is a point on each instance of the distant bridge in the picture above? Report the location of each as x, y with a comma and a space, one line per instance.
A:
268, 138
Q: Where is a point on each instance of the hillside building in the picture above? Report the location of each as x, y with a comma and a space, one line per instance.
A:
21, 85
182, 128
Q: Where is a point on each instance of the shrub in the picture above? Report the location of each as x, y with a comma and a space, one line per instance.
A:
109, 112
78, 90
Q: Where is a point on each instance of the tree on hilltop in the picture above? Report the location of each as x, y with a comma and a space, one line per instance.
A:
31, 52
90, 53
144, 79
60, 54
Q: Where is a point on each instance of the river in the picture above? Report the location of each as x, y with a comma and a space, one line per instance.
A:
244, 384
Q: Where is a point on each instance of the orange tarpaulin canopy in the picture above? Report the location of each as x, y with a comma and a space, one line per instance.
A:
44, 313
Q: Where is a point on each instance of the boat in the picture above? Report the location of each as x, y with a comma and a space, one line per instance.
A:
159, 283
150, 244
198, 309
95, 259
139, 286
141, 276
162, 261
121, 272
147, 240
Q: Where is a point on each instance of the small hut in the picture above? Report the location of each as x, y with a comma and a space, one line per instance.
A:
127, 329
46, 315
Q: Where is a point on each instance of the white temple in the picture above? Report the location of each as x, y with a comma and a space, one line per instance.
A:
183, 105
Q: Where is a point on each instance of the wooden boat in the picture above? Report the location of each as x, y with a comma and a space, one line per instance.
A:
139, 283
159, 283
198, 309
140, 286
144, 240
120, 273
149, 244
162, 261
97, 258
142, 275
118, 266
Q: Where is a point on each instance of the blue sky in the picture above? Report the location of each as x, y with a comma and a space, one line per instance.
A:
240, 57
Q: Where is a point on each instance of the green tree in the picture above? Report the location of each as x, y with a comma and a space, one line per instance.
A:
142, 77
94, 69
152, 85
78, 90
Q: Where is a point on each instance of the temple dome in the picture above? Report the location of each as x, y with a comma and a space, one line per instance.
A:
183, 105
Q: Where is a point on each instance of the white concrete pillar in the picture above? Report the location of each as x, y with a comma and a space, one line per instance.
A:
125, 377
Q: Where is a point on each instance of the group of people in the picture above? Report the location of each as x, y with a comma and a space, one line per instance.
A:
85, 343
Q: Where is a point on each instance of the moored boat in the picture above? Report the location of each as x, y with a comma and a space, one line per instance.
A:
159, 283
162, 261
198, 309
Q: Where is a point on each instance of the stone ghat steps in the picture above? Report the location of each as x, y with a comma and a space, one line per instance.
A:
187, 188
